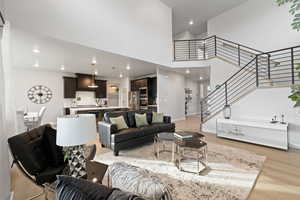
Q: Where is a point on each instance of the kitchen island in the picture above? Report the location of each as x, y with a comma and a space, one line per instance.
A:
97, 110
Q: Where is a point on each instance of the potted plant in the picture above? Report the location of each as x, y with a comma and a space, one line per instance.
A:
294, 10
295, 96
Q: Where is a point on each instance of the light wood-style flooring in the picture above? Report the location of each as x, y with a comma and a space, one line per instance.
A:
279, 179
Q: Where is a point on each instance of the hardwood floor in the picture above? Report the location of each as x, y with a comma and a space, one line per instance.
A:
279, 179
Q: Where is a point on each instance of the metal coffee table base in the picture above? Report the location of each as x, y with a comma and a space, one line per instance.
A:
183, 160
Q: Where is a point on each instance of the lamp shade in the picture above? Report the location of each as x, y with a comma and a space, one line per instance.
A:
74, 130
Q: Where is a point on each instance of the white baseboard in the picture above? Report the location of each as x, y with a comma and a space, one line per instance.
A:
179, 119
191, 114
294, 146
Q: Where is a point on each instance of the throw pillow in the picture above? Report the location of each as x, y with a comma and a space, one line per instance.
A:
119, 122
157, 118
141, 120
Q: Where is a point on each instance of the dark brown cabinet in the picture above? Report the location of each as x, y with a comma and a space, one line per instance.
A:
137, 84
83, 81
101, 90
152, 90
70, 87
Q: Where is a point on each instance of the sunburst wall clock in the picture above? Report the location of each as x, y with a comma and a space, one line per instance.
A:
39, 94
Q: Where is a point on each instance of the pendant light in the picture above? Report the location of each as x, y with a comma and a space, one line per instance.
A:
93, 84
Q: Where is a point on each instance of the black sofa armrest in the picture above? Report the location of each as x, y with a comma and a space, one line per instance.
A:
167, 119
105, 132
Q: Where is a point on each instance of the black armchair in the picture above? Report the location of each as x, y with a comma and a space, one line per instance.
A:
38, 157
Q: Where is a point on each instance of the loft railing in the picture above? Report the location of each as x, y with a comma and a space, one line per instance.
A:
2, 19
275, 68
203, 49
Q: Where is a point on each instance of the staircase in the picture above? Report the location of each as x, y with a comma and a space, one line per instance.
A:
257, 69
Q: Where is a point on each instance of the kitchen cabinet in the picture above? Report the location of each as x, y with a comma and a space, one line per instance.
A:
70, 87
152, 90
137, 84
101, 91
83, 81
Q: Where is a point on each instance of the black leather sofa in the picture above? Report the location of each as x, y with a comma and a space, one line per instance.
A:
116, 140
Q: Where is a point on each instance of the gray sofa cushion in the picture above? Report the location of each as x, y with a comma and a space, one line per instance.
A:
127, 134
164, 127
69, 188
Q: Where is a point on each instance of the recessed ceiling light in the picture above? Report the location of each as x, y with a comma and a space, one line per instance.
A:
94, 61
35, 50
36, 64
201, 78
62, 67
128, 67
121, 75
191, 22
187, 71
96, 72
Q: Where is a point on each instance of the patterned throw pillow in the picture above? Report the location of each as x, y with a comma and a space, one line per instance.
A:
141, 120
119, 122
157, 118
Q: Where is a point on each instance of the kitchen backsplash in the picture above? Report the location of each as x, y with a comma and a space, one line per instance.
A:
83, 98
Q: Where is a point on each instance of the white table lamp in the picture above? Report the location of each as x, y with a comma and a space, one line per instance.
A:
73, 132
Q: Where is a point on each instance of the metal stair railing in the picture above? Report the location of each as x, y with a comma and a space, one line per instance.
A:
271, 69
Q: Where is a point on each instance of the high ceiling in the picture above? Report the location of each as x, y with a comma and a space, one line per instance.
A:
75, 58
197, 10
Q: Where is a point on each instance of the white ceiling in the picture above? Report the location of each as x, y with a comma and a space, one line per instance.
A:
75, 58
195, 73
197, 10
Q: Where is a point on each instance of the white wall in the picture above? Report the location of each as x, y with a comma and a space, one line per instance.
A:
264, 26
258, 24
4, 169
139, 29
25, 79
170, 91
220, 71
263, 104
194, 104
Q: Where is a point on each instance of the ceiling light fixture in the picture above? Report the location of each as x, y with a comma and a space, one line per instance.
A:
62, 67
93, 83
35, 50
191, 22
121, 75
201, 78
36, 64
94, 61
187, 71
128, 67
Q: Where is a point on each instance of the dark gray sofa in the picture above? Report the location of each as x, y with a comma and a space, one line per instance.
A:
116, 140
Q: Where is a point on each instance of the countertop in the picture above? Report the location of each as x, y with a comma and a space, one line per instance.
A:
86, 108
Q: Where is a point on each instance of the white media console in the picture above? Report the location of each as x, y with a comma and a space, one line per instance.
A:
262, 133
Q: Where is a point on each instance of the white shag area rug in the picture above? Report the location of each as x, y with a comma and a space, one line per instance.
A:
231, 172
